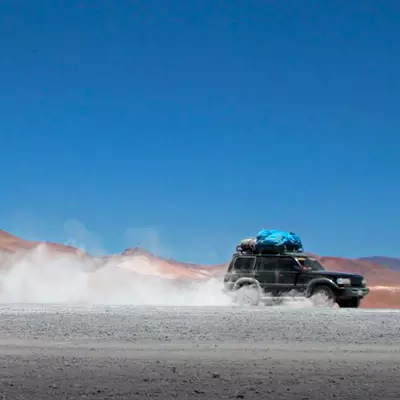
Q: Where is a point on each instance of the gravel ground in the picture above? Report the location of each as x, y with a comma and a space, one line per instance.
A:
63, 352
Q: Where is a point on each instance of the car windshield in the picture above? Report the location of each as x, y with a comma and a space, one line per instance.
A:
310, 264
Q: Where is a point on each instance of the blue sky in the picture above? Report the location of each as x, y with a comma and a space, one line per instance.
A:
185, 126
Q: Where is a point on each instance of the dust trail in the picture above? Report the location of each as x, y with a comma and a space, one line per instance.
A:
44, 276
41, 276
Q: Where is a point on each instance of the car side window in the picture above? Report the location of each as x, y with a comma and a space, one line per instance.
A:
266, 264
244, 263
287, 264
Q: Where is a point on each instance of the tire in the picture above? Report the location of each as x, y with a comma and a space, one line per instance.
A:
248, 295
323, 296
350, 303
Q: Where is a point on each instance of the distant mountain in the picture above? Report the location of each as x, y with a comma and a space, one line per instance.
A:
12, 244
388, 262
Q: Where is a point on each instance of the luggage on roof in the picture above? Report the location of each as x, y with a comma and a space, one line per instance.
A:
275, 241
247, 245
271, 241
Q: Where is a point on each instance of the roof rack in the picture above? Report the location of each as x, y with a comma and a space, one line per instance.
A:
268, 252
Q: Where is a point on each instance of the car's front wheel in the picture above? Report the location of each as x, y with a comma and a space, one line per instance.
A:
323, 296
248, 295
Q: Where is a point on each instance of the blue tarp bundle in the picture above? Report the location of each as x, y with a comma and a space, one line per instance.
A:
275, 241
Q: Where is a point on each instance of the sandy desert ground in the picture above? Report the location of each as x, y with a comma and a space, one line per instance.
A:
62, 352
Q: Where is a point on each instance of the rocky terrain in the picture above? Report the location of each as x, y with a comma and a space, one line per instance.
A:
53, 352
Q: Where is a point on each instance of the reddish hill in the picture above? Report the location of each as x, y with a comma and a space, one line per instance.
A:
168, 267
11, 243
389, 262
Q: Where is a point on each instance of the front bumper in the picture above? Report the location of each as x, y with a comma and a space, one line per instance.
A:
352, 292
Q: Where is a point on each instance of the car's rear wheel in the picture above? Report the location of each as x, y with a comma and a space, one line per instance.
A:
248, 295
349, 303
323, 296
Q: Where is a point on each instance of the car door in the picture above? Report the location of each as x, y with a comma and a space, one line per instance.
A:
308, 268
265, 273
288, 271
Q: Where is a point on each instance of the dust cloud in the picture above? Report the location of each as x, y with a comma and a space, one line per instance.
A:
47, 277
41, 276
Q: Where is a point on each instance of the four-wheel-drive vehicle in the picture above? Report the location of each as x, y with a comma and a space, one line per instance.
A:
252, 278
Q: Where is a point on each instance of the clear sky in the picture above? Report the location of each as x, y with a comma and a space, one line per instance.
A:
185, 126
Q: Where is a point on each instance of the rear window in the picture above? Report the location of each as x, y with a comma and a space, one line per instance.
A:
244, 263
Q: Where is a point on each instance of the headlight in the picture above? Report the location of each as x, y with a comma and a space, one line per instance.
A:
364, 282
343, 281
